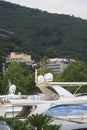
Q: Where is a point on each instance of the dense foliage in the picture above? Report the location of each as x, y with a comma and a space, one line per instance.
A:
17, 124
74, 72
41, 34
23, 77
39, 121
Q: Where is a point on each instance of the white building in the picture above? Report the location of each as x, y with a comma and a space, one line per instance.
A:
58, 64
20, 57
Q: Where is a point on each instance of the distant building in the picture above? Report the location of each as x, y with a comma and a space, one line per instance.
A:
20, 57
58, 64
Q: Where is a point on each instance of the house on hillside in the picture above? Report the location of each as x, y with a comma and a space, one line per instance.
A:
20, 57
58, 64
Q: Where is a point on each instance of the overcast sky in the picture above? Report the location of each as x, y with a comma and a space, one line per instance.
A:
78, 8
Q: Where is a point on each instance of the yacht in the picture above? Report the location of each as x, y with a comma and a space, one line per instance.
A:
54, 100
6, 108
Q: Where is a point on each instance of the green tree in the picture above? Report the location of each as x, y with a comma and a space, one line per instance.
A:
20, 75
30, 84
15, 123
52, 52
75, 72
51, 127
45, 59
39, 121
14, 73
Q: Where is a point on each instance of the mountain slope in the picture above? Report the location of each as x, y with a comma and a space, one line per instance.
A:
40, 33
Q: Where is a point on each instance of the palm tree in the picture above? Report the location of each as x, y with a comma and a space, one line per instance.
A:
39, 121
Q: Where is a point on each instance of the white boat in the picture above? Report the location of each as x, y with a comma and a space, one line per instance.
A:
6, 108
54, 100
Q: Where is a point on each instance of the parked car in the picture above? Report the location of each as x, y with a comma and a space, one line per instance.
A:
4, 126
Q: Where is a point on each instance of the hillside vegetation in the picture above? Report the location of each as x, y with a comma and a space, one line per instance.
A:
40, 33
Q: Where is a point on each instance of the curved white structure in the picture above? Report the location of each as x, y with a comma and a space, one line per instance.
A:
55, 100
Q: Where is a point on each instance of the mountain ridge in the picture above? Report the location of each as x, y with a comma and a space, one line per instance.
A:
40, 33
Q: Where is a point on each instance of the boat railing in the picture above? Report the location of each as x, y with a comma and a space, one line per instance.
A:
79, 118
42, 97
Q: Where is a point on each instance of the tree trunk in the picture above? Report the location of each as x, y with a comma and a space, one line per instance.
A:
39, 128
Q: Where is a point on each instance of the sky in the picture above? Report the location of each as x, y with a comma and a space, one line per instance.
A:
77, 8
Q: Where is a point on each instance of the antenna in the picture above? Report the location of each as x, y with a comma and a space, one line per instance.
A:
36, 76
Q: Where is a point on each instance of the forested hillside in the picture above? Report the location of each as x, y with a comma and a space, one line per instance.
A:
41, 34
